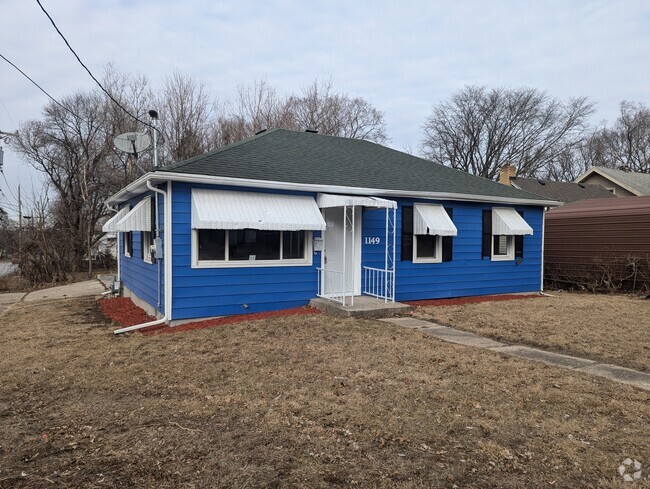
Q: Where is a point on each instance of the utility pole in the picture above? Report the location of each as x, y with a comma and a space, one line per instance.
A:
20, 225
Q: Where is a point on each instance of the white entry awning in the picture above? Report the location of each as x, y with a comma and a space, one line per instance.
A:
221, 209
333, 200
138, 218
110, 225
506, 220
432, 219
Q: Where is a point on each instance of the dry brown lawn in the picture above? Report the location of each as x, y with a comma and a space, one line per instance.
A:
607, 328
306, 401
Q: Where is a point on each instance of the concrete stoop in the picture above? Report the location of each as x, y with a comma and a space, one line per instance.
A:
364, 307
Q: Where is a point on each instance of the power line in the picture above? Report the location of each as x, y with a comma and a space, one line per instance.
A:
37, 85
90, 72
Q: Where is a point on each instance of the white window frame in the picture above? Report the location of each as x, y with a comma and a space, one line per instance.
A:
302, 262
146, 247
437, 259
127, 253
510, 246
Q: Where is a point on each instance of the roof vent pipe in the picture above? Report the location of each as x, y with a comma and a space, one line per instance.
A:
313, 131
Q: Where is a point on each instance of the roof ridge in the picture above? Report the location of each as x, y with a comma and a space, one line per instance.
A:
222, 149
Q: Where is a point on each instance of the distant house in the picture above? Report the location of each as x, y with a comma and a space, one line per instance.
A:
565, 192
621, 183
599, 244
282, 217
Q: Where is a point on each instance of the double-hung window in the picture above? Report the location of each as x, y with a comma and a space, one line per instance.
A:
433, 230
504, 229
146, 240
128, 243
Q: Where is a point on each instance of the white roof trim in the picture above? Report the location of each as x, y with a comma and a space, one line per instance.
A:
331, 200
138, 218
138, 186
226, 209
110, 225
609, 177
506, 220
432, 219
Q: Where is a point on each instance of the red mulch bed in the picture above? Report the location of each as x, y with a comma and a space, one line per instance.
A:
124, 312
459, 301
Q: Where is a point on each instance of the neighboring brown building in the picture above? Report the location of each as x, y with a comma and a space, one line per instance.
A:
621, 183
599, 244
565, 192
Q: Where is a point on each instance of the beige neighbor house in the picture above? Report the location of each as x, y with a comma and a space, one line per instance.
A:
620, 182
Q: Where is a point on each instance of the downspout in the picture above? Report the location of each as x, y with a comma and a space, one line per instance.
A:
119, 277
541, 285
166, 257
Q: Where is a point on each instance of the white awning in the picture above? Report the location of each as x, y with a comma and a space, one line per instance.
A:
111, 225
432, 219
332, 200
221, 209
506, 220
138, 219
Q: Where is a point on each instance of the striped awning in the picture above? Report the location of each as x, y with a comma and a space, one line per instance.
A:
333, 200
111, 225
507, 221
138, 218
432, 219
221, 209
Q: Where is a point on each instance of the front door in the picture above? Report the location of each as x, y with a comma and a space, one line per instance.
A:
332, 257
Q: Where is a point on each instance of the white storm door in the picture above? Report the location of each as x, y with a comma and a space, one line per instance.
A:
332, 256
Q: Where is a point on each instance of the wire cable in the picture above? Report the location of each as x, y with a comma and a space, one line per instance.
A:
126, 111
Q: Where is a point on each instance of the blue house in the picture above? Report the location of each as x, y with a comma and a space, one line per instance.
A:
280, 218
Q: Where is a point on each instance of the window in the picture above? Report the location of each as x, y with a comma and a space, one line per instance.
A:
503, 247
146, 240
509, 243
427, 249
128, 243
250, 247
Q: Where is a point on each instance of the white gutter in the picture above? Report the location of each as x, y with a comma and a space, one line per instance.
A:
138, 186
166, 257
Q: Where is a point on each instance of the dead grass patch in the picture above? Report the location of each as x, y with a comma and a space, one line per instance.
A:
303, 401
607, 328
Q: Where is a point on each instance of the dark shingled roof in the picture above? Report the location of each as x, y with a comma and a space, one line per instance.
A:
308, 158
563, 191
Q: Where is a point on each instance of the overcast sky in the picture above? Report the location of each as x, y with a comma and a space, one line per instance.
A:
401, 56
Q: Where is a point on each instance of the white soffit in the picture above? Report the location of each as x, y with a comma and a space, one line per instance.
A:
333, 200
111, 225
138, 219
221, 209
432, 219
506, 220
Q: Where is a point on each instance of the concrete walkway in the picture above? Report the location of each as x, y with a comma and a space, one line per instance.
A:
591, 367
7, 300
78, 289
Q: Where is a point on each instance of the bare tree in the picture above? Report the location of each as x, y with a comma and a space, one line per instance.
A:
320, 108
186, 115
480, 129
71, 147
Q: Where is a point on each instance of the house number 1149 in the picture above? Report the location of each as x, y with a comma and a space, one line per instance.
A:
372, 240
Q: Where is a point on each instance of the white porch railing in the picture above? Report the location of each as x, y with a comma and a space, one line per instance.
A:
331, 285
379, 283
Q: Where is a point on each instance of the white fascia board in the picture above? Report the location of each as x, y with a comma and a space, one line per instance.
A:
139, 186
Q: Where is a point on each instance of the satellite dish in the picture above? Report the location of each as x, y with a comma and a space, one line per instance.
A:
132, 142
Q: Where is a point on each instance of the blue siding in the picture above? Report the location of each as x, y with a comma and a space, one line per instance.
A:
137, 275
203, 292
468, 273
